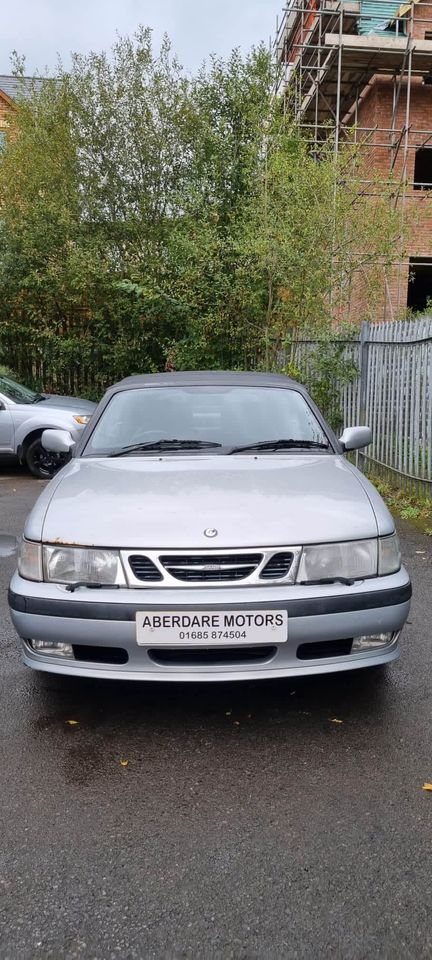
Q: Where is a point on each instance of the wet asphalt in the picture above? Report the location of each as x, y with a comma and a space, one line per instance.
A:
246, 824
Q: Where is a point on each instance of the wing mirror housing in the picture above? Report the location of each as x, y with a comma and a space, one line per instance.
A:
354, 438
57, 441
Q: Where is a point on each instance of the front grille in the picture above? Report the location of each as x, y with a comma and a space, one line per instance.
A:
277, 567
258, 566
217, 569
144, 569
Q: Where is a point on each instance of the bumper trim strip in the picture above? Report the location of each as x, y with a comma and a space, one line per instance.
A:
309, 607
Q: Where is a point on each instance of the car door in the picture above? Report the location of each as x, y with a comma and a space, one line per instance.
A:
7, 428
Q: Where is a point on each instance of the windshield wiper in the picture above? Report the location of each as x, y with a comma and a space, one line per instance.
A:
165, 445
71, 587
327, 581
281, 445
39, 398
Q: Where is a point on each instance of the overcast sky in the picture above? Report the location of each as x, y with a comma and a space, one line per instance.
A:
40, 29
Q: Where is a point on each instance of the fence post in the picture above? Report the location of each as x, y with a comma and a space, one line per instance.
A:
364, 357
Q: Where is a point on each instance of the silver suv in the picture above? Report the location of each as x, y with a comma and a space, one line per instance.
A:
208, 527
24, 415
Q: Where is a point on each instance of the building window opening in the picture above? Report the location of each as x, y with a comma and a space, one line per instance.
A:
423, 169
420, 284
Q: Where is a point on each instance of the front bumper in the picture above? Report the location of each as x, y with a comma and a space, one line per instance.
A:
106, 619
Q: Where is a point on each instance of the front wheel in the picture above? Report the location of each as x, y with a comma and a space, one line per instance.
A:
41, 462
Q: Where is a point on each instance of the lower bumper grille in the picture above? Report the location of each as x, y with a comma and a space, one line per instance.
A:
91, 654
323, 649
218, 657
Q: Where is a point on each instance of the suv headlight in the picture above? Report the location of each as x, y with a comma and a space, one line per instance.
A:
81, 418
89, 565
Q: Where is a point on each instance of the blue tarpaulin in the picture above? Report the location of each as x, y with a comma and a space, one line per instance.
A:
376, 15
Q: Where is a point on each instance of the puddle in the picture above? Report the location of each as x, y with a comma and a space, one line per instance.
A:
8, 545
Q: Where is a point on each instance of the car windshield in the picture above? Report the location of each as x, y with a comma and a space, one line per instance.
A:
220, 417
16, 392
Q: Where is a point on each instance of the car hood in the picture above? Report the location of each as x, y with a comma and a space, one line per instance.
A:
75, 404
168, 503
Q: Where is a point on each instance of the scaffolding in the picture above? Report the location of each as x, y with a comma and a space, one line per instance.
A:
330, 55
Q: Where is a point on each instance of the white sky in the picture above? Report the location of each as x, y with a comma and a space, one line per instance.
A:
41, 29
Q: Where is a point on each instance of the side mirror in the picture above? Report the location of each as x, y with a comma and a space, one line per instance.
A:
2, 405
57, 441
354, 438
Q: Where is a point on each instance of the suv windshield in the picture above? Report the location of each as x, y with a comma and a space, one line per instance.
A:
17, 393
221, 416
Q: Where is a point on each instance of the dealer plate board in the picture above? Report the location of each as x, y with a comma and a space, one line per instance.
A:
186, 628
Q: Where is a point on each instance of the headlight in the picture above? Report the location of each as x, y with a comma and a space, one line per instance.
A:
30, 560
354, 560
81, 419
73, 564
389, 555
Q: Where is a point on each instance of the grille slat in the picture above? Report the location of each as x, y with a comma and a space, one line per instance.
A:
144, 569
277, 567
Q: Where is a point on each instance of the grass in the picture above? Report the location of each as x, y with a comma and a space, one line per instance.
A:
407, 506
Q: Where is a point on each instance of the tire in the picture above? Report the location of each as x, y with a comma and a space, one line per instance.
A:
41, 463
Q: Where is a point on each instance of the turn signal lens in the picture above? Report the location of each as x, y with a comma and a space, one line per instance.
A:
389, 555
30, 560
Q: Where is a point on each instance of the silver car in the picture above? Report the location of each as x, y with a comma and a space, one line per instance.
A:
208, 527
24, 415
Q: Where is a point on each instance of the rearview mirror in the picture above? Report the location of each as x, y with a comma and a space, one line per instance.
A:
354, 438
57, 441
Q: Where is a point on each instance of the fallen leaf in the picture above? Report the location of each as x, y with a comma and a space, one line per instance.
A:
237, 723
124, 763
228, 713
334, 720
72, 723
420, 551
428, 787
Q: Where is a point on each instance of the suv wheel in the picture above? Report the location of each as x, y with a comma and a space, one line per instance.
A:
41, 462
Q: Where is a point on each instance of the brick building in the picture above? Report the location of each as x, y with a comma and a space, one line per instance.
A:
11, 89
363, 69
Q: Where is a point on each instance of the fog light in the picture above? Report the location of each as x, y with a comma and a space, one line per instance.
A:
52, 648
373, 642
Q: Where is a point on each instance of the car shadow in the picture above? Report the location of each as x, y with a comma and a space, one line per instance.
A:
117, 701
95, 725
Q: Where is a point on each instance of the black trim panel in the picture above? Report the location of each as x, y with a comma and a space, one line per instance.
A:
309, 607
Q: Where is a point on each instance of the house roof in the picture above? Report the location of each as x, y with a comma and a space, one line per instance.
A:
17, 87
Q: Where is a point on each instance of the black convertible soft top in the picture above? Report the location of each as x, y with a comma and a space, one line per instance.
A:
208, 378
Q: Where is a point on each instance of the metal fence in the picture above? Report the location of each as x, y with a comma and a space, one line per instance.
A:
393, 395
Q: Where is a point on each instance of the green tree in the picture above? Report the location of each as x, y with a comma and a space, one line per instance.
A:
147, 215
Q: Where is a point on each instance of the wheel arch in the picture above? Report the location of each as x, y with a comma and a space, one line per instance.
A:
28, 438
